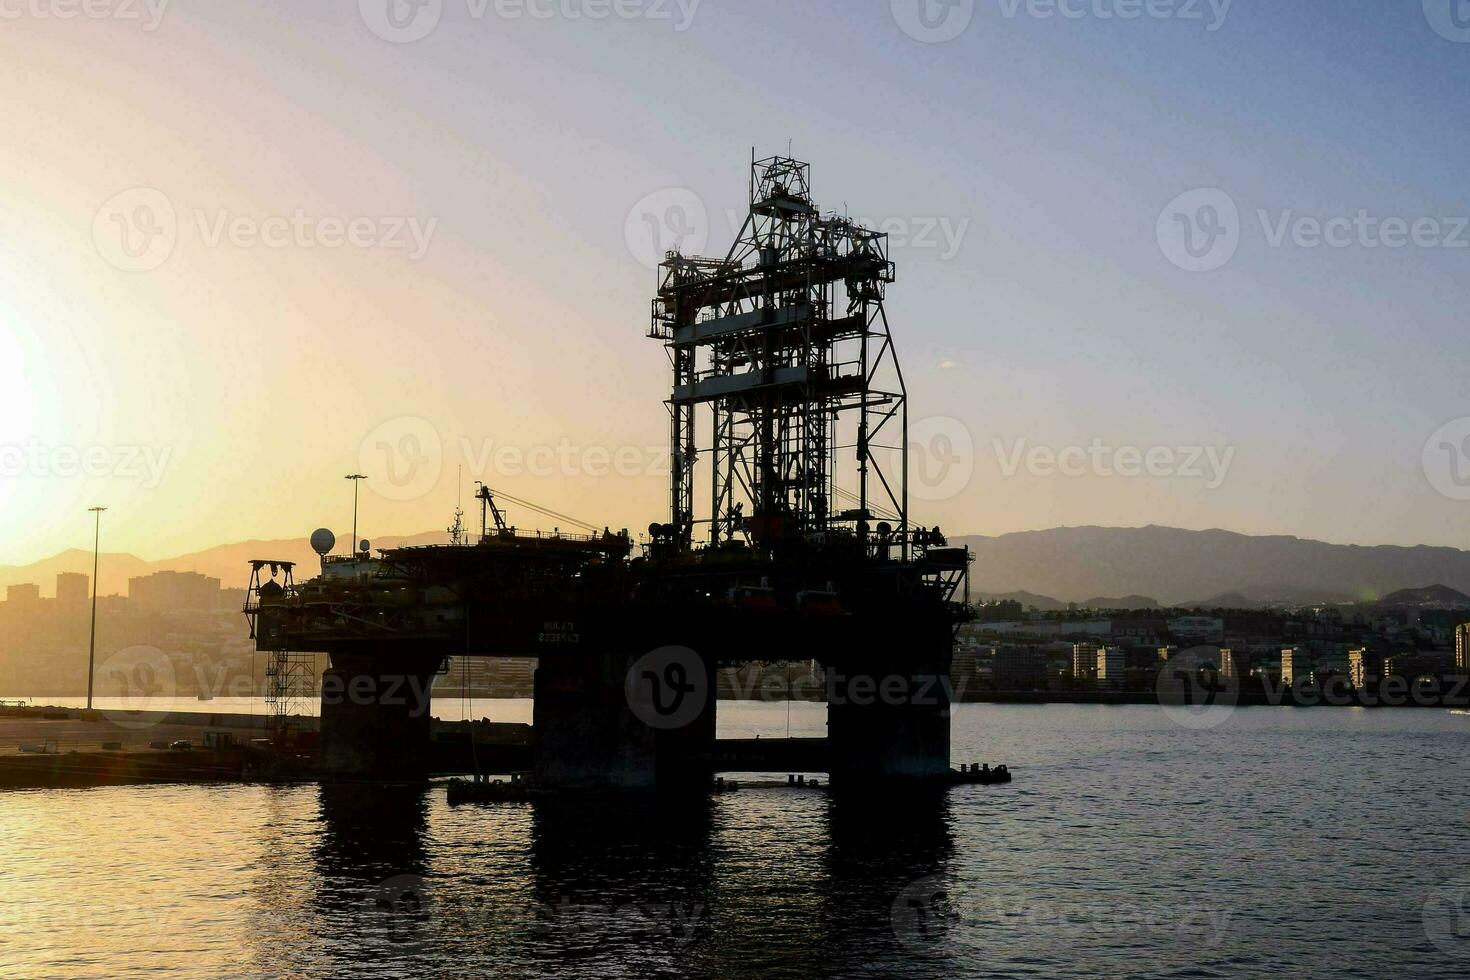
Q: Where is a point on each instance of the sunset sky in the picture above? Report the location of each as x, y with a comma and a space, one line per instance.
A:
409, 258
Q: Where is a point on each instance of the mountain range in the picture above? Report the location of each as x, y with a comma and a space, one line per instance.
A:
1185, 568
1146, 566
227, 562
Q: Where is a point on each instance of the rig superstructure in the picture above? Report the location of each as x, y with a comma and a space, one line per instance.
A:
788, 408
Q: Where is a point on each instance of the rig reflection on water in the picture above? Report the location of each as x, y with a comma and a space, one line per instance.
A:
639, 886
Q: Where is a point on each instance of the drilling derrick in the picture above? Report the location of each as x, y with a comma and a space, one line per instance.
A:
786, 343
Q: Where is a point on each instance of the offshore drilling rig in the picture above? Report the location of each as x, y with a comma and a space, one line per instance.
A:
788, 538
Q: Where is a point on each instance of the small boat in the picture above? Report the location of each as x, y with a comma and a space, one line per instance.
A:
983, 775
488, 791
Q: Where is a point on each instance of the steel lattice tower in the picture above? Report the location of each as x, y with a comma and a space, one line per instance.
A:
787, 343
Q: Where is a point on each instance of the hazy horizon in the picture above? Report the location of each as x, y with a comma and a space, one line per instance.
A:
397, 535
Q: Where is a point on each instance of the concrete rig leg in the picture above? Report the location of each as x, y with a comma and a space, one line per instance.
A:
376, 719
592, 735
888, 713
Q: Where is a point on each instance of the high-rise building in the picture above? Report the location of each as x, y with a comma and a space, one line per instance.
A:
1462, 648
1084, 660
965, 666
1112, 665
1366, 668
174, 590
72, 589
23, 594
1398, 664
1296, 662
1235, 665
1019, 668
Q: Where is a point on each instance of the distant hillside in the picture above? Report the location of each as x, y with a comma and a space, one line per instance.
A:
1027, 600
226, 562
1230, 600
1179, 566
1045, 569
1127, 602
1429, 597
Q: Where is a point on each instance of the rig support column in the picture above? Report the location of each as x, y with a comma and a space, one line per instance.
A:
376, 718
590, 735
886, 723
586, 737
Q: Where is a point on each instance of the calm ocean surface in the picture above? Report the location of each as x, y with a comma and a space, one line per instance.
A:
1313, 842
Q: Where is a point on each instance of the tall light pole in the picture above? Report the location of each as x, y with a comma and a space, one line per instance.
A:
92, 649
356, 478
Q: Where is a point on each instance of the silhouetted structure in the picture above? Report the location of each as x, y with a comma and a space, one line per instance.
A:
73, 589
785, 342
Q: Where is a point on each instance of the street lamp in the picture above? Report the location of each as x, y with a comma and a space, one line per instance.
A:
356, 478
92, 649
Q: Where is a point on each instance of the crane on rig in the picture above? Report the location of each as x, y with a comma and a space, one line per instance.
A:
489, 510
